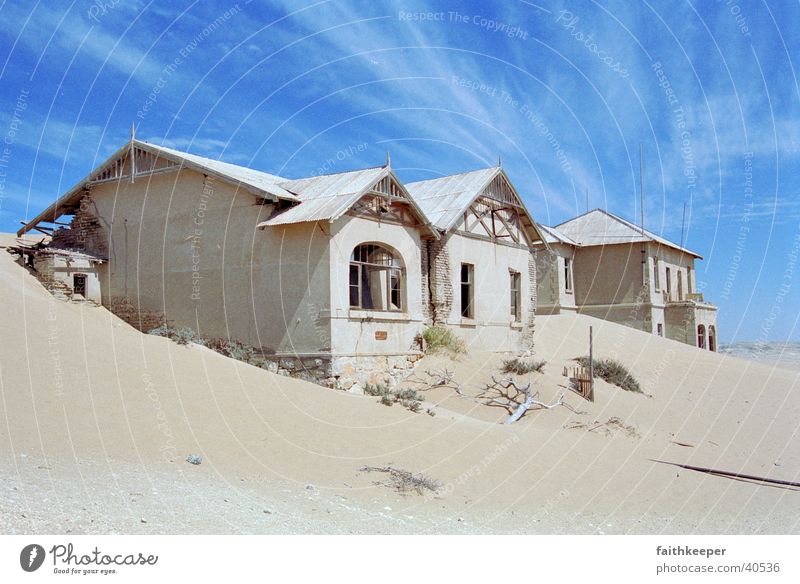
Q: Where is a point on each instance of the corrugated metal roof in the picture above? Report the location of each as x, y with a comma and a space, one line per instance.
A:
553, 235
326, 197
262, 181
599, 227
443, 200
258, 182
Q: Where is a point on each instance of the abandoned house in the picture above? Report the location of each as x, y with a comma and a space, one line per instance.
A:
469, 279
331, 277
604, 266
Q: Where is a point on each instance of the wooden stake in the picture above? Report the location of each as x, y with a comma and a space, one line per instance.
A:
591, 359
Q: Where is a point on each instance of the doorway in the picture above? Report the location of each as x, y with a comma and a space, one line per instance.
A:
79, 284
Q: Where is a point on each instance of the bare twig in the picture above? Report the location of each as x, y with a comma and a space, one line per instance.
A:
405, 481
510, 396
443, 378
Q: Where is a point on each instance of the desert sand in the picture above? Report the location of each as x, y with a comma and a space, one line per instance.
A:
97, 419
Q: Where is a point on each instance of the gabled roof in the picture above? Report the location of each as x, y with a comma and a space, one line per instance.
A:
444, 200
257, 182
262, 182
327, 197
599, 227
553, 235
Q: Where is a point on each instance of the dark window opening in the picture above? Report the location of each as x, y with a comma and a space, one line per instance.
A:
467, 290
568, 274
669, 286
79, 284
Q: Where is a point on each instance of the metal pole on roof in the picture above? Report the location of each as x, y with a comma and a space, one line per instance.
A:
133, 151
591, 359
641, 181
683, 220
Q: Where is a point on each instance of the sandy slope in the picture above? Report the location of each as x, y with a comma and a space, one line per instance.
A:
96, 420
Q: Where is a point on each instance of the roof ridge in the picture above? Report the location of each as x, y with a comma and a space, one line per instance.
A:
215, 160
336, 173
454, 175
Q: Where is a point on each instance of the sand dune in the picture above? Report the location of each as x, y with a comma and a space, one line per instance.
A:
96, 421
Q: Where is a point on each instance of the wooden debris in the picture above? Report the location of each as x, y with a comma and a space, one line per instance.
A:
733, 475
580, 381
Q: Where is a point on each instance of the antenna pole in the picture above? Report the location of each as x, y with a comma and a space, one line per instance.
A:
587, 199
683, 222
641, 181
133, 151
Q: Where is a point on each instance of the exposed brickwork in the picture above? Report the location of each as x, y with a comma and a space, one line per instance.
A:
84, 233
529, 325
143, 320
426, 290
43, 266
440, 281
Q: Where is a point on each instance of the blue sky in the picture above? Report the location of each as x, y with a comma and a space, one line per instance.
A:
565, 92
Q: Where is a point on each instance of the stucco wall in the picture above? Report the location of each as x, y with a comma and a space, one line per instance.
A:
678, 263
680, 323
355, 330
610, 274
189, 247
493, 327
552, 295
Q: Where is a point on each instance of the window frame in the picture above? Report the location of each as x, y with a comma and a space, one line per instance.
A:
394, 274
668, 284
515, 282
468, 311
568, 284
656, 275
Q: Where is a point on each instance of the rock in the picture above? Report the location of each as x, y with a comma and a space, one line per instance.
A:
143, 520
194, 459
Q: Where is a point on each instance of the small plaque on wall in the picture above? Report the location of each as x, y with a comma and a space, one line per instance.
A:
381, 335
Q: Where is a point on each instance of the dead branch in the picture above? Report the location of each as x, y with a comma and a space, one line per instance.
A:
510, 396
404, 481
443, 378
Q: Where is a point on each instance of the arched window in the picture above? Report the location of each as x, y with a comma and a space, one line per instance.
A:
376, 279
712, 338
701, 336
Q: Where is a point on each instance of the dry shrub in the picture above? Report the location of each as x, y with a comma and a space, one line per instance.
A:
442, 339
405, 482
521, 367
613, 372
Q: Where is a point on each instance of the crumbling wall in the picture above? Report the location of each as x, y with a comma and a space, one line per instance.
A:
85, 233
440, 281
426, 289
140, 319
529, 324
